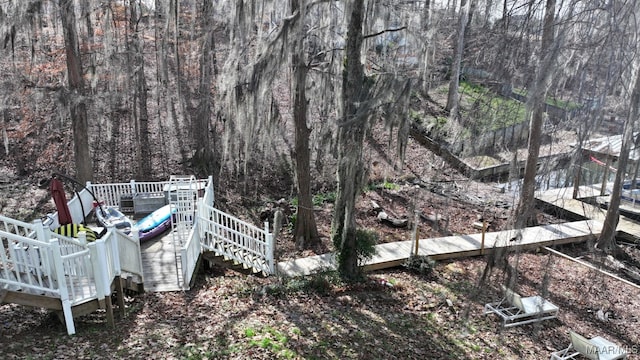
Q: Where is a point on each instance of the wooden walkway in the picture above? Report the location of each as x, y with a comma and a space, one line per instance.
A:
562, 199
394, 254
159, 264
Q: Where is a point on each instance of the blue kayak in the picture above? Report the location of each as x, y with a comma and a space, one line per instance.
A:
155, 219
156, 231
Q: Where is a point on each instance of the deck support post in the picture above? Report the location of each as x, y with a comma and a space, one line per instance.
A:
120, 295
101, 271
62, 286
605, 177
271, 246
414, 235
484, 230
108, 306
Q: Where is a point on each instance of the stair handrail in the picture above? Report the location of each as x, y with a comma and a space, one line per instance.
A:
222, 231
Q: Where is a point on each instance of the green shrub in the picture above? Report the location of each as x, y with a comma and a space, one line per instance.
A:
364, 249
390, 186
366, 241
319, 199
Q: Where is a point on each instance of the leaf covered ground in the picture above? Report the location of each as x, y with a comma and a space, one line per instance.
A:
395, 314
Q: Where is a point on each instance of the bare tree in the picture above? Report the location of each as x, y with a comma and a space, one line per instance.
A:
76, 101
535, 109
488, 8
453, 97
204, 158
606, 241
351, 133
306, 231
141, 116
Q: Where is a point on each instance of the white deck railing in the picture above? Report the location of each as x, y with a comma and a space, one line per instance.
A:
128, 247
25, 255
189, 255
235, 239
54, 265
110, 194
37, 261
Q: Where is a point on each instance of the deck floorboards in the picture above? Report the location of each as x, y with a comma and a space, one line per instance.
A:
159, 264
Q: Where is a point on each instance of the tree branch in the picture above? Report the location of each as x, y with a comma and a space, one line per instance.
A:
384, 31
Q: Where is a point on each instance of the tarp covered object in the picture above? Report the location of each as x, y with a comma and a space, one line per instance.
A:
60, 198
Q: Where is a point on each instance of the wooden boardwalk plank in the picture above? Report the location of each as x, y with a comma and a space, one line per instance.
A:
394, 254
159, 264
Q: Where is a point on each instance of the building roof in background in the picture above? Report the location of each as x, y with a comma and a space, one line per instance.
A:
611, 145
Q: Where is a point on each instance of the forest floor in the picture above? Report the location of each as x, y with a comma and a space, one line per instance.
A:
396, 314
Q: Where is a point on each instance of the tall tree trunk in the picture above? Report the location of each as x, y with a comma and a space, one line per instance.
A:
426, 15
77, 105
471, 13
454, 82
351, 134
505, 15
161, 30
177, 104
141, 96
426, 47
204, 158
606, 241
488, 8
306, 230
536, 107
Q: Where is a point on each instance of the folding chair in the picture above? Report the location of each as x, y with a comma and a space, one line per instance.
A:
515, 310
597, 348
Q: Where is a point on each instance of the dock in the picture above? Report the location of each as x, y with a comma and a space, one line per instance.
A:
587, 225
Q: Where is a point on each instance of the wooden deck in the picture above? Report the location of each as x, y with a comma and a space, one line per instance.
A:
563, 200
393, 254
159, 264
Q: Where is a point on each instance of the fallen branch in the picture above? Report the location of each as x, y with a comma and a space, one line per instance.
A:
384, 218
396, 223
